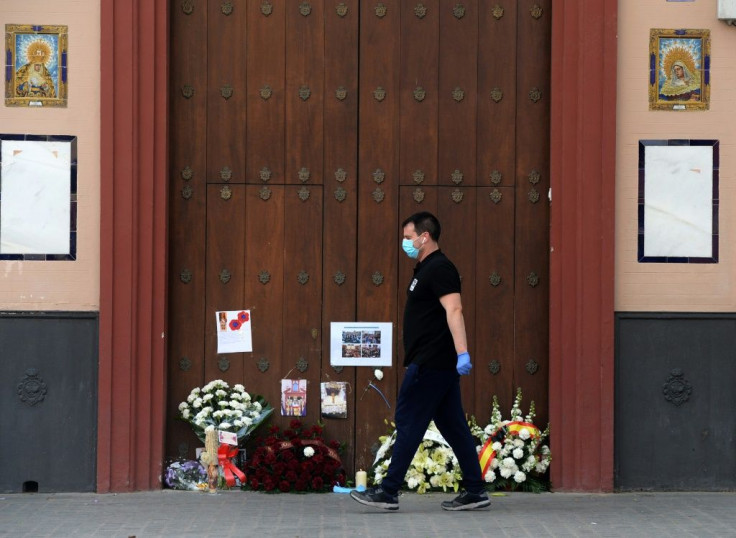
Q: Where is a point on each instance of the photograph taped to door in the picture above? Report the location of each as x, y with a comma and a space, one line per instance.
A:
361, 344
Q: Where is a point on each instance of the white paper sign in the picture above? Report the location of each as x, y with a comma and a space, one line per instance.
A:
233, 331
360, 343
227, 438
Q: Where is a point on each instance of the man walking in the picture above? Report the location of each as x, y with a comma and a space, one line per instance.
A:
435, 356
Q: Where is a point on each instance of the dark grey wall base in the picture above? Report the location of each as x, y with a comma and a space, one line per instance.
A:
48, 397
675, 403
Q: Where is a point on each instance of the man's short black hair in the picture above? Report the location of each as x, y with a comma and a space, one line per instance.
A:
425, 222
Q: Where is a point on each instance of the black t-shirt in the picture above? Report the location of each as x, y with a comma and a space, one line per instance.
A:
427, 338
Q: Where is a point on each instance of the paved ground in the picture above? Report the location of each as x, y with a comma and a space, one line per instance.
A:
231, 514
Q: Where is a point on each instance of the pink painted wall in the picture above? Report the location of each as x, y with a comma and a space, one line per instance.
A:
62, 285
657, 286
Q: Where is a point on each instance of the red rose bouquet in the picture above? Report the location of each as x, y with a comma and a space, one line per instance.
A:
295, 459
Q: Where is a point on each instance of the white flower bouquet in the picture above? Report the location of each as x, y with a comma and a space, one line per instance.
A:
433, 468
512, 452
227, 409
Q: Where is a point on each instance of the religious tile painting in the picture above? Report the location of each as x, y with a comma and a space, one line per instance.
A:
36, 65
679, 69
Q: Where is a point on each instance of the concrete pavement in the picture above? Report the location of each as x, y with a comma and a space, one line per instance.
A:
235, 513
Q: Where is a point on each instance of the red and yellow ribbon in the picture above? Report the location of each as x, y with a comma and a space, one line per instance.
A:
487, 454
224, 454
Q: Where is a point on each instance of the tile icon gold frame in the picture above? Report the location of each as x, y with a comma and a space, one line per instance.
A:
36, 65
679, 69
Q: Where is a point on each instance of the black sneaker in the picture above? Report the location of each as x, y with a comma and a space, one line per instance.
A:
377, 498
467, 501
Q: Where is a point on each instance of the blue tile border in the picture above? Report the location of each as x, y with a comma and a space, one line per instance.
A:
641, 258
72, 255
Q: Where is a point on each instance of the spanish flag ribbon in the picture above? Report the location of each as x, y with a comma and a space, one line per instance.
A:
487, 454
224, 454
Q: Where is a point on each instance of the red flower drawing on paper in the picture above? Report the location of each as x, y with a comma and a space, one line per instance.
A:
235, 325
243, 316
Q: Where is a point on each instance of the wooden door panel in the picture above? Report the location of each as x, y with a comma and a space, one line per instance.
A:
226, 95
456, 212
340, 203
303, 290
187, 210
458, 98
496, 92
532, 207
304, 93
264, 289
378, 126
494, 299
418, 91
224, 274
265, 121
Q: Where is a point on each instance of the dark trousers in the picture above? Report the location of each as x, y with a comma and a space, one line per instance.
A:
427, 395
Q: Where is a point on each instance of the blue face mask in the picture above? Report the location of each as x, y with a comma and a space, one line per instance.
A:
409, 248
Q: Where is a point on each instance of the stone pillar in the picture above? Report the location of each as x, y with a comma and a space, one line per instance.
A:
582, 166
133, 115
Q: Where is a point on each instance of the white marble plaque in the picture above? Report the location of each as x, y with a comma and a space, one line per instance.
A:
678, 201
35, 203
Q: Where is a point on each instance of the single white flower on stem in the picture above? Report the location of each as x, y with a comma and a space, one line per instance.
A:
308, 451
378, 373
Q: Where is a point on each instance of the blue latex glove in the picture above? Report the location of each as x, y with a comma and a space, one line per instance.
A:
463, 363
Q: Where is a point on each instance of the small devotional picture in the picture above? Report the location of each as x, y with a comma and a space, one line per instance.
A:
333, 395
294, 397
36, 62
679, 69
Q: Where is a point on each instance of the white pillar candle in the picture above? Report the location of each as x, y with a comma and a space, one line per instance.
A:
361, 479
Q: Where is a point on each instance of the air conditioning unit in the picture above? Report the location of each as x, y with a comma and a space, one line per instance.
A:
727, 11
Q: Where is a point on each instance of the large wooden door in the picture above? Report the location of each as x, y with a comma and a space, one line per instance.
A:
302, 133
